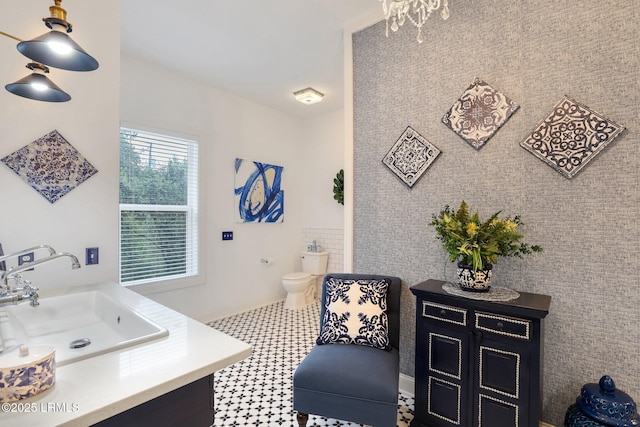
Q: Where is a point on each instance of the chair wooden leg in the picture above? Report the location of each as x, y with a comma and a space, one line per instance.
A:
302, 419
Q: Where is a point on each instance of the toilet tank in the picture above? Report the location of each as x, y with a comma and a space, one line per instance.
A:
315, 263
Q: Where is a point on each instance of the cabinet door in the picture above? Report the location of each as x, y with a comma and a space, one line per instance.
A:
502, 372
442, 393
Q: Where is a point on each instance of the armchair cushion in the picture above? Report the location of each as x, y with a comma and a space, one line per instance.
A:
350, 382
355, 313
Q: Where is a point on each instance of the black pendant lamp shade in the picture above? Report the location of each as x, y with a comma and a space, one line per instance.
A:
37, 86
53, 49
68, 56
56, 48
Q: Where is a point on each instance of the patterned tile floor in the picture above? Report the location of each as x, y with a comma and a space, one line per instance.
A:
257, 390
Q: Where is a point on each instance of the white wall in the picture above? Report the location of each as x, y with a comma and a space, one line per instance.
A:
323, 158
87, 216
227, 127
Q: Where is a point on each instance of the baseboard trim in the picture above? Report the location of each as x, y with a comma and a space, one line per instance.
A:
407, 385
232, 311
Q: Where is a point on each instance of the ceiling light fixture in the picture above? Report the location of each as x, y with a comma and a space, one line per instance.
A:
308, 95
56, 48
37, 86
52, 49
416, 11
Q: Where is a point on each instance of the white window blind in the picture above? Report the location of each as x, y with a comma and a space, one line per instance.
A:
158, 207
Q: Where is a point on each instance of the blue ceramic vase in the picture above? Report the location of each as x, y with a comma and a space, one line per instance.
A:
601, 405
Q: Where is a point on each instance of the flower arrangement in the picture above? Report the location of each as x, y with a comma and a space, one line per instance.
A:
473, 242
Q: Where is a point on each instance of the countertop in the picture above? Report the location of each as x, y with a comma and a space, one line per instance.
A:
95, 389
525, 305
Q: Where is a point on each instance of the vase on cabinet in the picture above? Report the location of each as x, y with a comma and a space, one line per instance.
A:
474, 281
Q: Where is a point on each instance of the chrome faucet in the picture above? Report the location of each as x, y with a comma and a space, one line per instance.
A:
26, 251
23, 289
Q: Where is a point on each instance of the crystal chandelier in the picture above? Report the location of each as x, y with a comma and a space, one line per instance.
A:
416, 11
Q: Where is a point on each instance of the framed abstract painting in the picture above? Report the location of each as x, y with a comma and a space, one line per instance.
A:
259, 196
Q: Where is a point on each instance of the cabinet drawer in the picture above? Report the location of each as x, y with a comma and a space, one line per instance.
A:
444, 313
503, 325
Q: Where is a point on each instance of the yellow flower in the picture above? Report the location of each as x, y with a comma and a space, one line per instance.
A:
472, 229
510, 225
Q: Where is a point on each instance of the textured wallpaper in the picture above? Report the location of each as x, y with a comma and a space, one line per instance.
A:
535, 52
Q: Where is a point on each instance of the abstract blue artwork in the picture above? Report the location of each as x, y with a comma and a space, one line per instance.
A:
258, 192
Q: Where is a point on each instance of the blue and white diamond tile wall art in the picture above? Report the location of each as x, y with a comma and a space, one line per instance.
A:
258, 192
571, 136
479, 112
51, 166
411, 156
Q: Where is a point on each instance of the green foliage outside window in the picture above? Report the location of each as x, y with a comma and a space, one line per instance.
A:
153, 240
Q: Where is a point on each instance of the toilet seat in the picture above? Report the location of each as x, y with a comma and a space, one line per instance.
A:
296, 276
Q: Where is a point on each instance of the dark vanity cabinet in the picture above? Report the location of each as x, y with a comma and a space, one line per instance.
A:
190, 405
478, 363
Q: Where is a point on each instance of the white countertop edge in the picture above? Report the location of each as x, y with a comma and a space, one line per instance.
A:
86, 393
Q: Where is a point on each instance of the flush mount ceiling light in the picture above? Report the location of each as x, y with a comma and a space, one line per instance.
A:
416, 11
53, 49
308, 95
37, 86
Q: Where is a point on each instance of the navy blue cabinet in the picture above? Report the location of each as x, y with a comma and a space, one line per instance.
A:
478, 363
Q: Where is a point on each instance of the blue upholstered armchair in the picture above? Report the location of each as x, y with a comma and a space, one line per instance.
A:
352, 382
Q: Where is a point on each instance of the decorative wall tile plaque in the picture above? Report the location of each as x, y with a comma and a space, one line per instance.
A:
51, 165
570, 137
411, 156
478, 114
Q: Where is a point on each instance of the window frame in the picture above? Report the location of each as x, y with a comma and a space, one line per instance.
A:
167, 283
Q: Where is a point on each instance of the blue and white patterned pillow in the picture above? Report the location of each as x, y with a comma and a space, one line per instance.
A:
355, 313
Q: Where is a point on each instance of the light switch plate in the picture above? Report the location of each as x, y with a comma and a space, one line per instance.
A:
92, 256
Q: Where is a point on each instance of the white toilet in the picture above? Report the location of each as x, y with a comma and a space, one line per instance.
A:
298, 285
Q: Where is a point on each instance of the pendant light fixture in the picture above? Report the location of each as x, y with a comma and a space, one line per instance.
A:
52, 49
415, 11
56, 48
37, 86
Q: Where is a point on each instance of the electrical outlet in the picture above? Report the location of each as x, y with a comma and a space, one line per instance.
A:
26, 258
227, 235
92, 256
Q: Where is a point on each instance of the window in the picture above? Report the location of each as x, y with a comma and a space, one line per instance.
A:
158, 207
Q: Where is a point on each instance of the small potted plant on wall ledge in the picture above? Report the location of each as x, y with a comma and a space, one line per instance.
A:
476, 245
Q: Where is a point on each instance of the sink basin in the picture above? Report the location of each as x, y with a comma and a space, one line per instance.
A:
80, 325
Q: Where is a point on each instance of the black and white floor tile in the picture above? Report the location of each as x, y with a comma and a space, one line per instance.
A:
257, 390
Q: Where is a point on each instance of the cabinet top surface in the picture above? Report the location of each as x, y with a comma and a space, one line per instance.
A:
532, 304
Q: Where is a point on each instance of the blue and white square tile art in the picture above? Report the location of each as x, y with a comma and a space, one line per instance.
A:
51, 166
411, 156
258, 192
571, 136
479, 112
